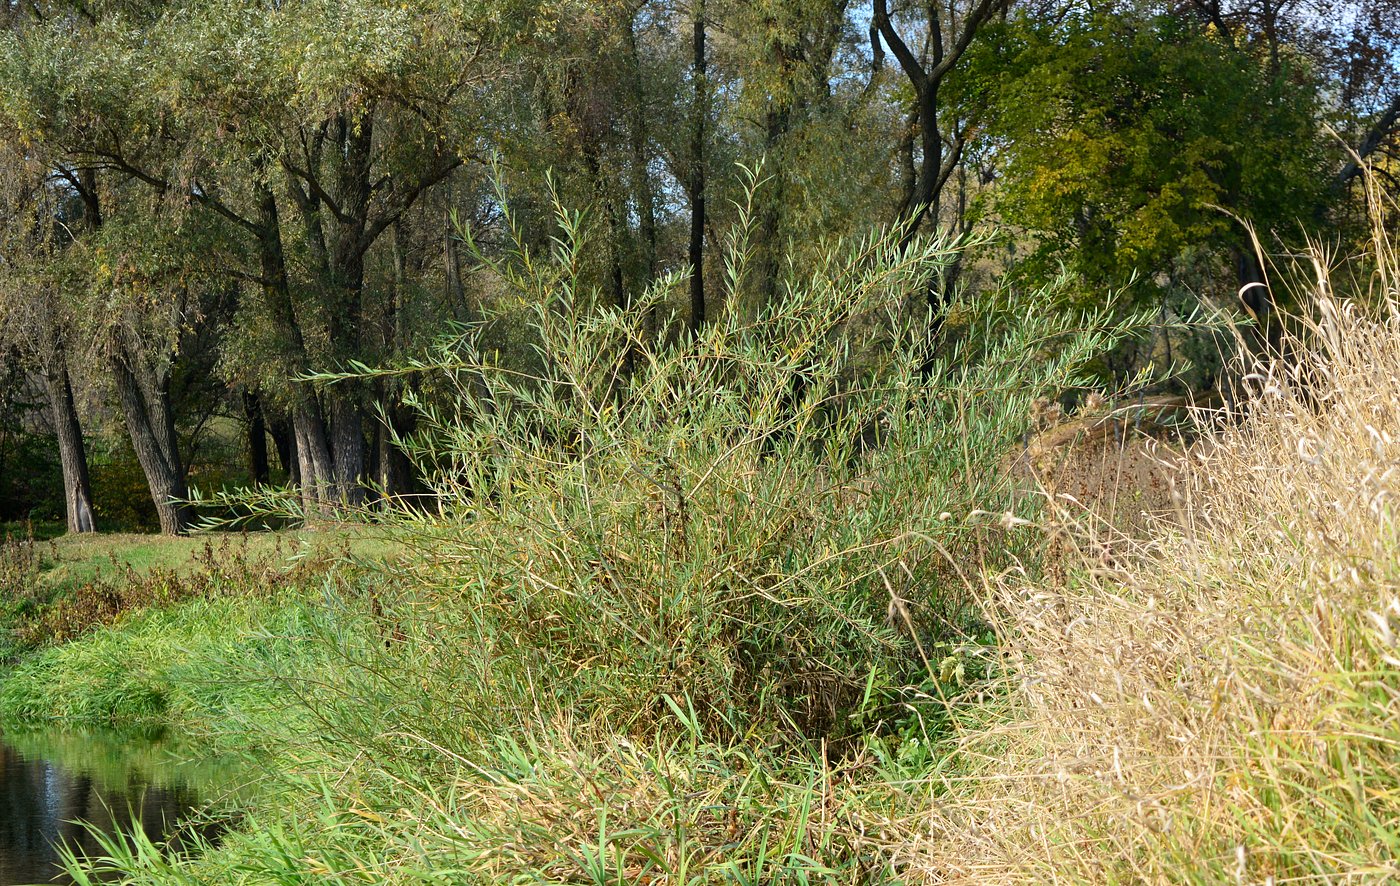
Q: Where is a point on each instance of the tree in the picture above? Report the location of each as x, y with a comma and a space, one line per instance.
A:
40, 215
1352, 45
337, 116
947, 30
1123, 139
786, 55
695, 180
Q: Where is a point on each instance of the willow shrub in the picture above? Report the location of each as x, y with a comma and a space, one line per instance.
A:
765, 520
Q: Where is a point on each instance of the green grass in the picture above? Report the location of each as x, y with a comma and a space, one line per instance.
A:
54, 590
41, 530
186, 666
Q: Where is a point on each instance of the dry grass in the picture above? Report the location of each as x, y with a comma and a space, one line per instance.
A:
1115, 464
1223, 704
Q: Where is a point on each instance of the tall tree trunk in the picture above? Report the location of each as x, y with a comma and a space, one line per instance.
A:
313, 456
283, 443
347, 207
396, 473
455, 292
151, 426
347, 448
77, 487
150, 421
927, 189
354, 142
696, 184
313, 453
643, 189
908, 179
769, 250
258, 467
945, 47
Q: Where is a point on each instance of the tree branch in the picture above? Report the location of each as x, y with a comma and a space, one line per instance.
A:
315, 190
1384, 127
223, 209
405, 201
912, 69
976, 17
115, 161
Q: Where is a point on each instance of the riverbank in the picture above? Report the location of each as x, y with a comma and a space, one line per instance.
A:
470, 717
57, 589
195, 653
702, 654
349, 777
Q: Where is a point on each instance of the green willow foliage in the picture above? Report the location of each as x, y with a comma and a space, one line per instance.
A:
706, 515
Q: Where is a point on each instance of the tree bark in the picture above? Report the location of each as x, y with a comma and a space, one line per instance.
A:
1383, 128
336, 192
696, 185
777, 121
396, 474
937, 161
354, 140
926, 79
347, 448
643, 189
283, 444
150, 421
313, 456
455, 292
1257, 299
258, 468
313, 452
151, 426
77, 487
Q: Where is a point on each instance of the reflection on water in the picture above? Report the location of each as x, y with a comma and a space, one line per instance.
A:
49, 782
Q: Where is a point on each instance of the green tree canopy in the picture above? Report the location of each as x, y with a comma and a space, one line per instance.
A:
1120, 141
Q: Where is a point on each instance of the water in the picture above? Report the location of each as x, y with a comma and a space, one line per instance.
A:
49, 781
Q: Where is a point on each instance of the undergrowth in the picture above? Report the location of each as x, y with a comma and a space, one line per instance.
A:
681, 592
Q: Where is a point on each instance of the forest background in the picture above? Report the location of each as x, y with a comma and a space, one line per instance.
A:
206, 204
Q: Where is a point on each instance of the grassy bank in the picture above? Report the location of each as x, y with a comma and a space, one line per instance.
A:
56, 590
67, 561
187, 665
157, 634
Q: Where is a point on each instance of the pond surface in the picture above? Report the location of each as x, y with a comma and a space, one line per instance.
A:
50, 781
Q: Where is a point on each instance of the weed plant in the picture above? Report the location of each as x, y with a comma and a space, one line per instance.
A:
21, 561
